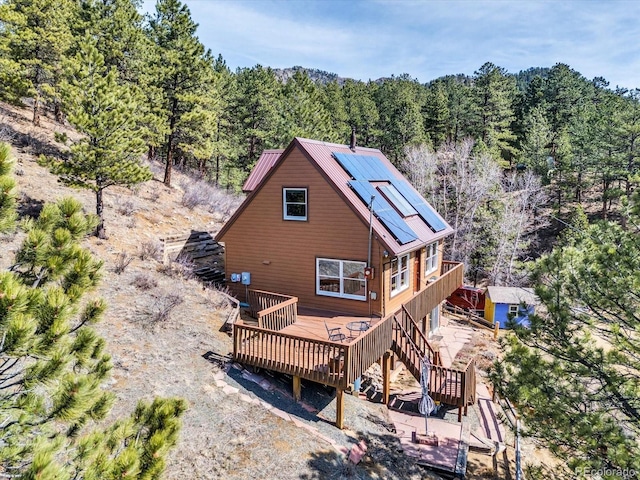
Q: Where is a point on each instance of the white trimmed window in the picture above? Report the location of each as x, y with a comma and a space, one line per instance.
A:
341, 278
294, 204
399, 274
514, 310
431, 260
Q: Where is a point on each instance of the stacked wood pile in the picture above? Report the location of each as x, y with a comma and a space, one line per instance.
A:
200, 249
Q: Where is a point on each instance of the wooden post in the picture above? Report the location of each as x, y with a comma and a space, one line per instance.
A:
339, 408
496, 328
297, 388
386, 377
460, 413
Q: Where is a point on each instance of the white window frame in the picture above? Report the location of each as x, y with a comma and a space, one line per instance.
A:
402, 274
342, 278
298, 218
431, 259
514, 309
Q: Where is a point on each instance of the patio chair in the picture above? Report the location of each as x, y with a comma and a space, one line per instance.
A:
335, 334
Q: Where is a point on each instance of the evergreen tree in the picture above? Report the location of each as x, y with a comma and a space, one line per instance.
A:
400, 102
53, 365
494, 96
256, 110
362, 112
107, 114
437, 118
7, 190
303, 113
182, 73
36, 35
333, 102
575, 373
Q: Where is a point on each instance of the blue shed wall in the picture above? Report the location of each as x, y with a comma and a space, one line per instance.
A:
502, 315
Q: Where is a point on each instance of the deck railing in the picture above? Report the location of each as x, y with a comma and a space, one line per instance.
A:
330, 363
316, 360
261, 300
425, 301
279, 315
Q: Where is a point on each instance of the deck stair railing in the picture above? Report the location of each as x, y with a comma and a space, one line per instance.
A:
446, 385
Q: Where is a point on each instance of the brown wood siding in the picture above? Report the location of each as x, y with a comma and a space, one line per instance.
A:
281, 254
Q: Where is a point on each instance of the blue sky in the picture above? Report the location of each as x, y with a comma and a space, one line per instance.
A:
369, 39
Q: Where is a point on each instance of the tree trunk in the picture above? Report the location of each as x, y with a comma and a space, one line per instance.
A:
57, 110
172, 125
100, 230
36, 110
151, 153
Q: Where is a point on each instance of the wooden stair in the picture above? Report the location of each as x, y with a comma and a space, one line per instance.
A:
446, 385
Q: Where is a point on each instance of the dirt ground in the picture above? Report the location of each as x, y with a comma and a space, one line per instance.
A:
163, 332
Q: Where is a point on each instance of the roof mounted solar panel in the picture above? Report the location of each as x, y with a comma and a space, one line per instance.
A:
397, 200
362, 167
424, 210
384, 212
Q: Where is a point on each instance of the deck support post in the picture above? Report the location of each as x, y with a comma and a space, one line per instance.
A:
386, 377
460, 414
297, 388
339, 408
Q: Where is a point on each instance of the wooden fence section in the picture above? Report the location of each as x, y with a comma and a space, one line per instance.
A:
280, 315
472, 319
437, 291
197, 246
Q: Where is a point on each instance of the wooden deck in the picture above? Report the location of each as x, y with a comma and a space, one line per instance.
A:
294, 341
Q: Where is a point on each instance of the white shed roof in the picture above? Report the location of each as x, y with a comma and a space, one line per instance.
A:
512, 295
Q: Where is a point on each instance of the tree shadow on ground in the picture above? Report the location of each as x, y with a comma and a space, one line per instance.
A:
29, 142
29, 207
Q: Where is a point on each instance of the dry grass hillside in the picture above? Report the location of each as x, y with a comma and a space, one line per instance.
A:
163, 332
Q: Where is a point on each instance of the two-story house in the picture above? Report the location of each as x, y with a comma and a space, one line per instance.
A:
335, 235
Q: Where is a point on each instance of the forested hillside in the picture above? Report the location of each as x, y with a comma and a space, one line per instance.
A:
517, 162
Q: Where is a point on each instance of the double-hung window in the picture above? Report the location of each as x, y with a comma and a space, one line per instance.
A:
294, 204
514, 310
399, 274
431, 260
341, 278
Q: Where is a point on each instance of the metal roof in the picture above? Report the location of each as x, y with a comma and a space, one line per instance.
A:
512, 295
321, 154
267, 160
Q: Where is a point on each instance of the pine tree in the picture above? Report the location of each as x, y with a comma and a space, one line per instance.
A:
304, 114
256, 110
575, 373
36, 36
362, 112
7, 190
53, 365
494, 96
334, 104
107, 114
182, 74
437, 118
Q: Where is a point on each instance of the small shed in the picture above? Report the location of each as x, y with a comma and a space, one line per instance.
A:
504, 302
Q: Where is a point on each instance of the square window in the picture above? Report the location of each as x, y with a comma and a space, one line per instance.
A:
341, 278
294, 202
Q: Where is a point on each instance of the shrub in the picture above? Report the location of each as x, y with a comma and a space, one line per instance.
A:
144, 282
61, 137
149, 250
126, 208
121, 263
